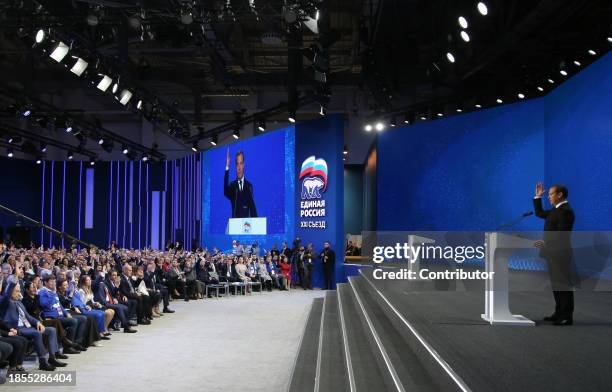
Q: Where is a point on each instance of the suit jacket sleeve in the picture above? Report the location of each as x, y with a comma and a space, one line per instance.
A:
228, 191
252, 202
539, 211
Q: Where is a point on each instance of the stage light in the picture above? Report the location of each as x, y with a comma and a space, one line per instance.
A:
440, 114
236, 134
60, 51
450, 57
69, 155
139, 104
79, 67
463, 22
478, 106
43, 147
124, 150
125, 97
465, 36
322, 111
345, 150
101, 141
115, 88
92, 161
9, 153
186, 17
93, 19
423, 118
541, 89
406, 118
40, 36
145, 158
104, 83
577, 63
482, 8
26, 110
551, 81
393, 122
261, 125
459, 110
610, 40
38, 161
68, 128
592, 52
214, 140
194, 147
563, 72
379, 126
368, 128
499, 100
521, 95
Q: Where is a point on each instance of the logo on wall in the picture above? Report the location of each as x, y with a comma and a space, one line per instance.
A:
314, 177
246, 228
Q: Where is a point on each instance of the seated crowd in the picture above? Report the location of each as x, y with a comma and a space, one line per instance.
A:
59, 302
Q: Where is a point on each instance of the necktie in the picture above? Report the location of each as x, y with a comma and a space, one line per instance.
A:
22, 318
240, 185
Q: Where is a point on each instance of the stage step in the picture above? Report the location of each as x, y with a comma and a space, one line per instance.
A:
415, 368
332, 368
304, 371
368, 366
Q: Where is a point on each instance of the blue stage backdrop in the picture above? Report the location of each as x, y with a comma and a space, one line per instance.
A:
470, 172
268, 166
319, 188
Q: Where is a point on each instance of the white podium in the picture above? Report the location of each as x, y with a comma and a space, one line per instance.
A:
247, 226
499, 247
414, 240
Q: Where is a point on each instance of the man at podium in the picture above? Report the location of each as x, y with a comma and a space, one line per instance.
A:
556, 249
239, 191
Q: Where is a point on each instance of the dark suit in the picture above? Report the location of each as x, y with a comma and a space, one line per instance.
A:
328, 259
127, 289
243, 205
557, 251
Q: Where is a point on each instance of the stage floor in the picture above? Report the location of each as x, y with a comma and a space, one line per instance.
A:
501, 358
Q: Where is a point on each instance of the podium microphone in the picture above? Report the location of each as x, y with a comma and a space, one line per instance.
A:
514, 222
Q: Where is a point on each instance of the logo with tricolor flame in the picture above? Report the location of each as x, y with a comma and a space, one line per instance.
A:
314, 173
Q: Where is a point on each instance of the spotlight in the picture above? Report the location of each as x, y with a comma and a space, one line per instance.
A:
551, 81
459, 110
115, 88
592, 52
145, 158
40, 36
262, 125
214, 140
440, 114
68, 128
124, 150
9, 153
125, 97
43, 147
540, 88
610, 40
26, 110
393, 122
577, 63
423, 118
104, 83
101, 141
292, 116
69, 155
345, 151
406, 118
521, 95
92, 19
79, 67
499, 100
478, 106
92, 161
323, 110
186, 15
59, 52
368, 128
450, 57
139, 104
463, 22
194, 147
563, 72
38, 161
465, 36
482, 8
236, 134
379, 126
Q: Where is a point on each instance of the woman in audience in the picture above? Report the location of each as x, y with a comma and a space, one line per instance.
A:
92, 335
241, 270
285, 268
264, 275
86, 295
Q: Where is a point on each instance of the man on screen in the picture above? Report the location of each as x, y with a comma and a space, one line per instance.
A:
239, 191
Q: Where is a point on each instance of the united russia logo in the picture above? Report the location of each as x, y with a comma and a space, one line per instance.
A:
314, 175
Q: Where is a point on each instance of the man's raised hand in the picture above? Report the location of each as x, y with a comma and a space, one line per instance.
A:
539, 190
